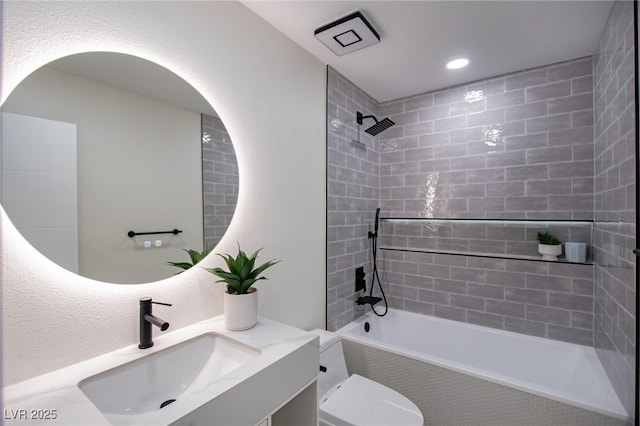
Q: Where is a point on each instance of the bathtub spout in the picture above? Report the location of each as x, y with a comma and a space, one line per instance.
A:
368, 300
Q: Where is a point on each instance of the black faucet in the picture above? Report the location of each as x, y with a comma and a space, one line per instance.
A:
368, 300
146, 319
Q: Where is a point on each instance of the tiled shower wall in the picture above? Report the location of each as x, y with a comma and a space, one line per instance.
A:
519, 147
352, 182
615, 201
219, 179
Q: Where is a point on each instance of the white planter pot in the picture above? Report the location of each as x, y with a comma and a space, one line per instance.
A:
241, 310
550, 252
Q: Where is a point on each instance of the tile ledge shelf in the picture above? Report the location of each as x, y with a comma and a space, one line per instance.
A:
487, 255
461, 219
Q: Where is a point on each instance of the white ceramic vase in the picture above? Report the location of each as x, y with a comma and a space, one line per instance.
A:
241, 310
550, 252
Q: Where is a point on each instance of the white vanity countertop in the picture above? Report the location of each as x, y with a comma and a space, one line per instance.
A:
57, 394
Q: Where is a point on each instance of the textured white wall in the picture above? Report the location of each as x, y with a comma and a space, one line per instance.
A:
271, 96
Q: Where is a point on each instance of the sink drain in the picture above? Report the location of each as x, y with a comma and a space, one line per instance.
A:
167, 402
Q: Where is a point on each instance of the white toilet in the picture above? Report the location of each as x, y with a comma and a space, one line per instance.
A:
355, 400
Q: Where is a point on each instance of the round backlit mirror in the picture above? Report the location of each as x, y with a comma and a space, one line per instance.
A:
104, 155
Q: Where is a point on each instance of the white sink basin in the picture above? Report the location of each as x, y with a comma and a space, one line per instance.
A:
150, 383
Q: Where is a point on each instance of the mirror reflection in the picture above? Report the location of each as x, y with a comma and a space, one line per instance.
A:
96, 145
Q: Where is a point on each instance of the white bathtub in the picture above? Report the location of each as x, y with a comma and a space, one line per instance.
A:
563, 372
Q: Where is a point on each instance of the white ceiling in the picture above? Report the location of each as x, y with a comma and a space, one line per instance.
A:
419, 37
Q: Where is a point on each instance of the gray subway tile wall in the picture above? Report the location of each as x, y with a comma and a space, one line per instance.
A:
492, 292
517, 129
513, 147
220, 179
352, 179
615, 203
487, 150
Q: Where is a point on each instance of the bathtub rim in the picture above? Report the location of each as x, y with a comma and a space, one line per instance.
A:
479, 373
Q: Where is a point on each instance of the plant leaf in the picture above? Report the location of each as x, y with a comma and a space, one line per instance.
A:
194, 255
223, 275
245, 271
264, 266
255, 253
246, 285
183, 265
230, 261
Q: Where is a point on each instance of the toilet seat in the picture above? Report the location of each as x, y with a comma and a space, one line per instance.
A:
359, 401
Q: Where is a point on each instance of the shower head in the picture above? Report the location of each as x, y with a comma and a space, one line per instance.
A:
379, 127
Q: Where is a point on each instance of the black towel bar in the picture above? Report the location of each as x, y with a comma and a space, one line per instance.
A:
132, 234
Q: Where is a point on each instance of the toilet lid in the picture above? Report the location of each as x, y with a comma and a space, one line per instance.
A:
360, 401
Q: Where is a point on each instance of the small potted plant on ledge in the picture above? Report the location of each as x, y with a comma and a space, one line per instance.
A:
240, 298
549, 246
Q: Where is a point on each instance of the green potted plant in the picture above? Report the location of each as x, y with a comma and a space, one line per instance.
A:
549, 246
240, 297
194, 255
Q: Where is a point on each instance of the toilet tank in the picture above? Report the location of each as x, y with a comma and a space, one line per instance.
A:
331, 358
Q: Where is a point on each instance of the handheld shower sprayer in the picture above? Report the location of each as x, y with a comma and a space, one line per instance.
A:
373, 236
375, 229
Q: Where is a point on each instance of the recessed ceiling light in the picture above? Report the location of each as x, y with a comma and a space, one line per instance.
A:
456, 64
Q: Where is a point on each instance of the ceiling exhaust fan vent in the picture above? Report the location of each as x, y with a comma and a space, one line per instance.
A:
348, 34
